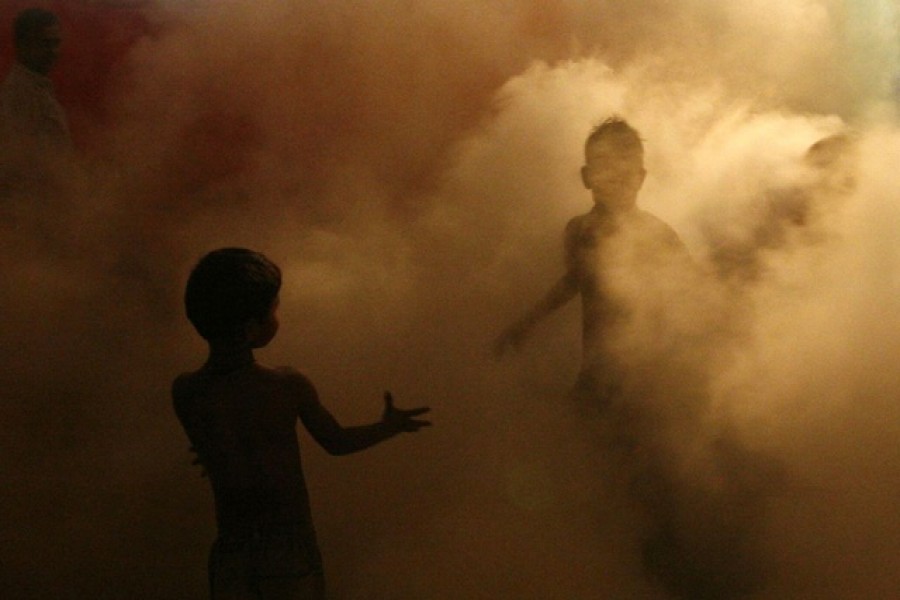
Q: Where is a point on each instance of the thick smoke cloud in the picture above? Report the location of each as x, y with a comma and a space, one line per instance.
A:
412, 165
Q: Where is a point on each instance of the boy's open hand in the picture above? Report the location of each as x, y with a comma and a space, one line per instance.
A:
403, 419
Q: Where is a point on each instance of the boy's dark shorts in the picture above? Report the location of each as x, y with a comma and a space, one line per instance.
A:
265, 564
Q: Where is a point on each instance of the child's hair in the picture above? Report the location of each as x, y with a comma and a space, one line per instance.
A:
31, 21
615, 126
228, 288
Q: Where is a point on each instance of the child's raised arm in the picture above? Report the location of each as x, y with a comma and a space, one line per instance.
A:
339, 440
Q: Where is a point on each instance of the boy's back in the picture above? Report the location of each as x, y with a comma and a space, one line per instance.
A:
243, 426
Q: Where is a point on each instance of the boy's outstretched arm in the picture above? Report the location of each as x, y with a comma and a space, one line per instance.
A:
339, 440
516, 334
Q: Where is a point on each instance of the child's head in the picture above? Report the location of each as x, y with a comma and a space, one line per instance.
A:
232, 291
834, 161
37, 38
614, 164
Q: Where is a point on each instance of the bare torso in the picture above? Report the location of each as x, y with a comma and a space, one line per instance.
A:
613, 261
242, 425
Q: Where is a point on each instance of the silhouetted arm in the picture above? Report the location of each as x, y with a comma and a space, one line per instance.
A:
562, 291
183, 392
515, 335
339, 440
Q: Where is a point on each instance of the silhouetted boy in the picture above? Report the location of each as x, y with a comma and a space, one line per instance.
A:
241, 419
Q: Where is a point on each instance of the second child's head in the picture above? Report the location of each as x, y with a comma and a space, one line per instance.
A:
232, 296
834, 164
614, 164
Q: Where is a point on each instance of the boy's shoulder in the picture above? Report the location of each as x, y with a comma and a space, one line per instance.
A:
287, 383
576, 227
191, 383
288, 376
579, 221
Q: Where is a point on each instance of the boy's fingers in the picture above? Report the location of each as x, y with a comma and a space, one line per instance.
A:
406, 415
415, 425
415, 412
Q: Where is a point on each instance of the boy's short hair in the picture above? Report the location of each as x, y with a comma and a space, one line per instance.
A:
31, 21
616, 126
228, 288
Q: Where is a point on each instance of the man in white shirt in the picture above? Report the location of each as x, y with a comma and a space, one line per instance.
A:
31, 118
36, 148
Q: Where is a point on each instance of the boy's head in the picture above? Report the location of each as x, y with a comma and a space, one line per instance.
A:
37, 38
614, 164
231, 295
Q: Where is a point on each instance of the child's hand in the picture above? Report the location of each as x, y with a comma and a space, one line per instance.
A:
399, 419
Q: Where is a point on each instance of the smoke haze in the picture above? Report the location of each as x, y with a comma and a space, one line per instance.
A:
411, 165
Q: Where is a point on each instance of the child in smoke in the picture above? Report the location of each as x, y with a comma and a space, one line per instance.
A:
618, 260
241, 418
644, 373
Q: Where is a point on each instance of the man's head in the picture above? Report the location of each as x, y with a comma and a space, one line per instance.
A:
37, 38
231, 297
614, 164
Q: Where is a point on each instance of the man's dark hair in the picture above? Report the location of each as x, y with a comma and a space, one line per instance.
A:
30, 22
616, 126
228, 288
